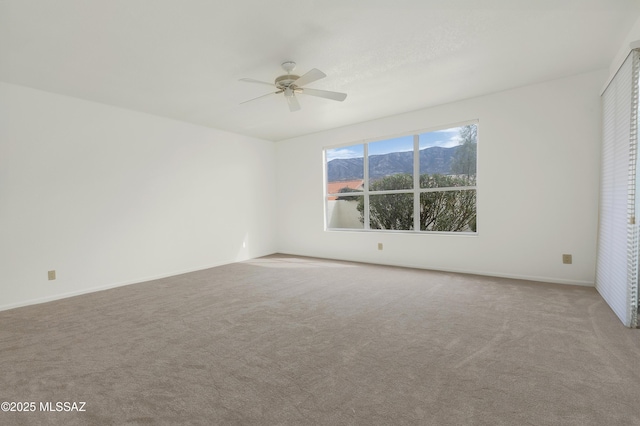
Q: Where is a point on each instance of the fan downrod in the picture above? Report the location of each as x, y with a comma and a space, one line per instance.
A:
284, 81
288, 66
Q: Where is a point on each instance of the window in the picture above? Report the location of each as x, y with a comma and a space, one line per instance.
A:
424, 182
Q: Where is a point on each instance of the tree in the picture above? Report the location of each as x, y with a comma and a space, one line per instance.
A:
389, 211
452, 211
348, 197
464, 160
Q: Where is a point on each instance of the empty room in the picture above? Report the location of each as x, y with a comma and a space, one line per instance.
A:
319, 212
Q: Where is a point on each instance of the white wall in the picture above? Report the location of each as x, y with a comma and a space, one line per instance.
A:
107, 196
632, 37
538, 171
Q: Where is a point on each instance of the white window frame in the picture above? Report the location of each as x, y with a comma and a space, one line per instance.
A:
415, 191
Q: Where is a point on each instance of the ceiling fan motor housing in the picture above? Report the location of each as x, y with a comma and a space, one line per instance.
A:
285, 81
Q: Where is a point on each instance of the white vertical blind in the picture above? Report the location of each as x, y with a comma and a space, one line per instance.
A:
632, 201
617, 263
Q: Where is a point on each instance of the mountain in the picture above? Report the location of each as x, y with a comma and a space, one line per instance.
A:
345, 169
432, 160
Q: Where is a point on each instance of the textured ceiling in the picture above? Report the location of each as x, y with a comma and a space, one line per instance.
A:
182, 59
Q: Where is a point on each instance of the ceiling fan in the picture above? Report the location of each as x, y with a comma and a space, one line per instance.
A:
290, 84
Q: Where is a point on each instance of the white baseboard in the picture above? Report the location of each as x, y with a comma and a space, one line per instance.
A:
213, 265
59, 296
544, 279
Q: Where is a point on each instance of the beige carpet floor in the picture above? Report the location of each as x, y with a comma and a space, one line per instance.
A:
286, 340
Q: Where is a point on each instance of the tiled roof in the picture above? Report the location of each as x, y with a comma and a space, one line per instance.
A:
335, 187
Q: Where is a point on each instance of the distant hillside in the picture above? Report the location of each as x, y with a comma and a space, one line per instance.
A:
432, 160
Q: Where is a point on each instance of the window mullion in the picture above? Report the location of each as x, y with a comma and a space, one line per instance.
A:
416, 182
366, 186
448, 188
391, 191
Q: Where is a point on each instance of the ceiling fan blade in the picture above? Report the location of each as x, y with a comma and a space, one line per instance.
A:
262, 96
294, 105
310, 77
251, 80
336, 96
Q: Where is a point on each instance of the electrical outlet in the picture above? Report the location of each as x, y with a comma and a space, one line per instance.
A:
51, 275
567, 259
379, 246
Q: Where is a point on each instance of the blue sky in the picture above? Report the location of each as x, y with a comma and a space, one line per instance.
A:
445, 138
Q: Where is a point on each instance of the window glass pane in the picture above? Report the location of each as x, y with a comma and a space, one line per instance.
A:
345, 212
391, 211
345, 169
452, 211
391, 164
449, 152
